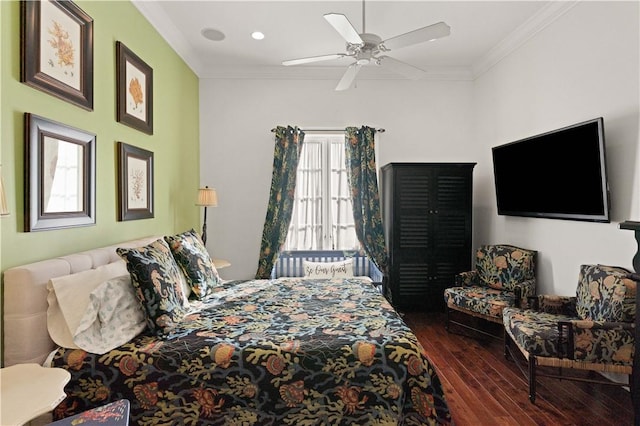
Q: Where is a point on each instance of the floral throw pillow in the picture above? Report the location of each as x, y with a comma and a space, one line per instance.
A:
194, 259
156, 279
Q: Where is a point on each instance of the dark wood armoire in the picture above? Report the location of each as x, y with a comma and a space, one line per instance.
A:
427, 217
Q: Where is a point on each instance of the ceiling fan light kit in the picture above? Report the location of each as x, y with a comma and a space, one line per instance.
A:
365, 48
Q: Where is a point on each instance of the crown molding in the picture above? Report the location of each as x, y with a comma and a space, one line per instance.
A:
543, 18
167, 30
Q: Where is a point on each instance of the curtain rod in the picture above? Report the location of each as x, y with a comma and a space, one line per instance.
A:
380, 130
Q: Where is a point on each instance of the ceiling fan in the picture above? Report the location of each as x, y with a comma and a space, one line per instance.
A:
367, 48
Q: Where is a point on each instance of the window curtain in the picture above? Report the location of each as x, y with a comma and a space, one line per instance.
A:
306, 219
360, 161
288, 144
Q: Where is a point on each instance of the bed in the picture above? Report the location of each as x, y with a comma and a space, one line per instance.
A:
281, 351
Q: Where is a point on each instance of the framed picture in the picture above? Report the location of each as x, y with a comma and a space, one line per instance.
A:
60, 175
134, 82
135, 182
56, 50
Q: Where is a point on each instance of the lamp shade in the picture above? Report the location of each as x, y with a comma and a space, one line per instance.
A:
207, 197
4, 210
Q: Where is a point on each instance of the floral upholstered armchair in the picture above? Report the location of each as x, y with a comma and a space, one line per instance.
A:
504, 276
593, 330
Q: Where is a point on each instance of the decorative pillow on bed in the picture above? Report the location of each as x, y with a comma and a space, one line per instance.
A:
112, 318
192, 256
342, 269
156, 278
69, 297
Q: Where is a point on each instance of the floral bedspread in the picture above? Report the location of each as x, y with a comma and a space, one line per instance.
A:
279, 352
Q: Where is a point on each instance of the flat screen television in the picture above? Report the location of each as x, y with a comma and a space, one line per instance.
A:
560, 174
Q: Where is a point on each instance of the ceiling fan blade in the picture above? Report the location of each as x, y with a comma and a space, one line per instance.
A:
429, 33
409, 71
348, 77
343, 27
314, 59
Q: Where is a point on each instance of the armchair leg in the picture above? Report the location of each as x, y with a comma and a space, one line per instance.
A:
446, 324
507, 339
532, 379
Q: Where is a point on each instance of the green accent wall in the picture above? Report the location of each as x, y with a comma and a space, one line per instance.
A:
175, 142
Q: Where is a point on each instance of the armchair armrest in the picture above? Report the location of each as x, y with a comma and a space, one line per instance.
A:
597, 341
552, 304
467, 278
523, 291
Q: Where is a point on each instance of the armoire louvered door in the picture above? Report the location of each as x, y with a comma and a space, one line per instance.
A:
427, 215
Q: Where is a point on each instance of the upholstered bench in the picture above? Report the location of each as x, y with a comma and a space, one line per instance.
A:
290, 263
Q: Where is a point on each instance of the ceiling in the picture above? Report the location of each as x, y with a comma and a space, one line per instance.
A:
482, 33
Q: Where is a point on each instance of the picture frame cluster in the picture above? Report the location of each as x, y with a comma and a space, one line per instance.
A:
56, 57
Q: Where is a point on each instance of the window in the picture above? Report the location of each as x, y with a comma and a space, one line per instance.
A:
322, 217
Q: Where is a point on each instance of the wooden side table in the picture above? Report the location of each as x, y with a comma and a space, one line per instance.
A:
29, 390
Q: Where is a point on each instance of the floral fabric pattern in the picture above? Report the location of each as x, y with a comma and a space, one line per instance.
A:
504, 266
504, 276
361, 166
194, 260
156, 279
467, 278
536, 332
605, 293
281, 352
552, 304
286, 156
592, 341
482, 300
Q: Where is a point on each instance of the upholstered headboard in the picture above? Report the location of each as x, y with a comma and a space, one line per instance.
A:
24, 322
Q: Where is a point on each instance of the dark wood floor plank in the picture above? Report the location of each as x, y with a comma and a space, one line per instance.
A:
482, 387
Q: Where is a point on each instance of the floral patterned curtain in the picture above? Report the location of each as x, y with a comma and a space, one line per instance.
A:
283, 185
361, 171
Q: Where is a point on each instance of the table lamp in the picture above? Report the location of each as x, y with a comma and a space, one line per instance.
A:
207, 197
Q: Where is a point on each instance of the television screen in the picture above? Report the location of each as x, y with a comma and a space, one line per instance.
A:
559, 174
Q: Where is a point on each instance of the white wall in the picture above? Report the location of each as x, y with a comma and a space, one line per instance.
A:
424, 121
584, 65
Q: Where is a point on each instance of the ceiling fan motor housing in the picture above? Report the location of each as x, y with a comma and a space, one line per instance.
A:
370, 43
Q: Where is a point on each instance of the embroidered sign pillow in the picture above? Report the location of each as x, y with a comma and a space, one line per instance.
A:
328, 270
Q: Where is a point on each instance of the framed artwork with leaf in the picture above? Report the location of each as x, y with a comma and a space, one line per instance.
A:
60, 175
56, 50
134, 82
135, 183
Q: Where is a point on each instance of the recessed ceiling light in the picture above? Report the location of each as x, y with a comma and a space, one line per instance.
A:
257, 35
212, 34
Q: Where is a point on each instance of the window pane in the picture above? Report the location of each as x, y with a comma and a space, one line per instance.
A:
322, 216
305, 230
342, 225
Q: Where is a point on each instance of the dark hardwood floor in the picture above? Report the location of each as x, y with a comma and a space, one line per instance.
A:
484, 388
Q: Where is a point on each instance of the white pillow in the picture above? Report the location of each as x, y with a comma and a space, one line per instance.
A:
113, 317
69, 297
341, 269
